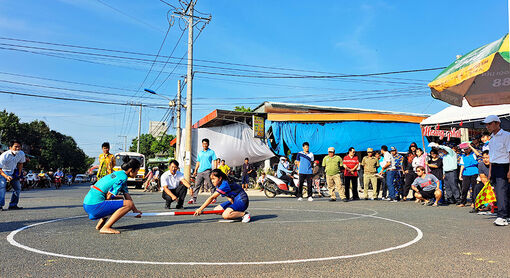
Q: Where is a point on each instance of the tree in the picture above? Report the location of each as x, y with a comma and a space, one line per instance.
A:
242, 109
150, 146
50, 149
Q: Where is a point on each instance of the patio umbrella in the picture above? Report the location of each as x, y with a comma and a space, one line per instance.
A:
482, 77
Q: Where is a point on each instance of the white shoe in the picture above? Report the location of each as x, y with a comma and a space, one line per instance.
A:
310, 199
300, 199
246, 217
501, 222
371, 199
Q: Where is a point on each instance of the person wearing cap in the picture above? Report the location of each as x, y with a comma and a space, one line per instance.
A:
452, 192
499, 157
399, 159
283, 172
332, 164
370, 164
468, 171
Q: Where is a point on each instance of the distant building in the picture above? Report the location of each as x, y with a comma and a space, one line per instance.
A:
157, 129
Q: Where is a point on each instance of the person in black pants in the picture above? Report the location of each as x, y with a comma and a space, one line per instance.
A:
468, 172
409, 174
174, 186
435, 164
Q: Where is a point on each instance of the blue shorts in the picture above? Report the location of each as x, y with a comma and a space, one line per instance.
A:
240, 203
103, 209
246, 179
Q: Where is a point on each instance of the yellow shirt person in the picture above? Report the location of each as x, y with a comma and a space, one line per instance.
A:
106, 161
224, 168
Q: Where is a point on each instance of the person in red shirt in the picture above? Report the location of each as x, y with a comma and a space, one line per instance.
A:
351, 165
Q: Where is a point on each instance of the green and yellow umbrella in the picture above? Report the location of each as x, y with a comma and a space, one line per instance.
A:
482, 77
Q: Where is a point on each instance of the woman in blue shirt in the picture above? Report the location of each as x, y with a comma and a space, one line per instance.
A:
237, 203
468, 172
99, 202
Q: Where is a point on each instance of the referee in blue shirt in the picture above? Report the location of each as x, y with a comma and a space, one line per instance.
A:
206, 160
305, 161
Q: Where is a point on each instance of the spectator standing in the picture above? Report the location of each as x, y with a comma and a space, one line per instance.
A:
468, 172
224, 167
247, 170
409, 174
451, 188
174, 186
106, 161
420, 160
370, 164
435, 163
351, 165
332, 164
399, 159
389, 165
381, 177
205, 163
11, 167
499, 156
304, 162
486, 137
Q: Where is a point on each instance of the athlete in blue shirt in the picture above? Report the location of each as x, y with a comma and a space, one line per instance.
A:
304, 160
99, 203
237, 203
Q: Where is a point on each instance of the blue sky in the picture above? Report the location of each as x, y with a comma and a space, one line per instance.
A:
344, 37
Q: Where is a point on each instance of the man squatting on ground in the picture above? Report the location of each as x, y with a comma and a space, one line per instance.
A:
426, 187
174, 186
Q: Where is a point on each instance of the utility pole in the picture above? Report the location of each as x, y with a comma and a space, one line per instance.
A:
125, 142
139, 129
178, 125
189, 95
187, 14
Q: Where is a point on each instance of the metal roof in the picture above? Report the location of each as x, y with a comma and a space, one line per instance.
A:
283, 107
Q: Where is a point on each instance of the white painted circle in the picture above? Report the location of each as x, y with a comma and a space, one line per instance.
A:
12, 241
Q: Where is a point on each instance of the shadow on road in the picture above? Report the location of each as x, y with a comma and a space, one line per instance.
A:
13, 225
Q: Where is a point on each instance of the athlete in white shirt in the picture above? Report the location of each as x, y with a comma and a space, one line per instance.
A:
11, 166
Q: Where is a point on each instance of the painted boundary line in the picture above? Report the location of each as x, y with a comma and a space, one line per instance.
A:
419, 236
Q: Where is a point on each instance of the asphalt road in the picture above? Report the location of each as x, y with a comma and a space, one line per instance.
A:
364, 236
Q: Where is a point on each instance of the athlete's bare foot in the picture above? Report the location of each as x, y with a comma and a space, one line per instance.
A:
100, 223
108, 231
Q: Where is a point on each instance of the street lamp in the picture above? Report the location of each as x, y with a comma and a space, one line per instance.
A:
171, 102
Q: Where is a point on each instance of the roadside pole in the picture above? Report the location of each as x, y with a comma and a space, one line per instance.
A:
189, 97
139, 129
178, 125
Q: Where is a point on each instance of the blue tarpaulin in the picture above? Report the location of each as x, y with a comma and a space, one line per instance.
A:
342, 135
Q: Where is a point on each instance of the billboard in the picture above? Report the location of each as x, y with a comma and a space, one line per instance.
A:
258, 127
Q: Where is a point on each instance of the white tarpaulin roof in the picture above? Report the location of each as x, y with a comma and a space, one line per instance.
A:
471, 117
233, 143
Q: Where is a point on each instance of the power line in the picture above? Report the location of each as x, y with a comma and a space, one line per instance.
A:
130, 16
199, 60
83, 100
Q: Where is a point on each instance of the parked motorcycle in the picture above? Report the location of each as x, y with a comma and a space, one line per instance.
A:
274, 186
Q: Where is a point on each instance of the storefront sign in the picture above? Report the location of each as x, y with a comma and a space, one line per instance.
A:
258, 127
436, 132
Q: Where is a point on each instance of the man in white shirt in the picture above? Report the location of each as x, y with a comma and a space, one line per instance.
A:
499, 156
388, 165
11, 166
174, 186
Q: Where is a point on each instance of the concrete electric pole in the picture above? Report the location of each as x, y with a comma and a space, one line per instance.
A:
139, 129
178, 125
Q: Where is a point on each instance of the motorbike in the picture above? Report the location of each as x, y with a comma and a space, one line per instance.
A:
58, 182
274, 186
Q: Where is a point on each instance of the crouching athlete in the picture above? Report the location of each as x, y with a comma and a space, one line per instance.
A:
103, 200
237, 203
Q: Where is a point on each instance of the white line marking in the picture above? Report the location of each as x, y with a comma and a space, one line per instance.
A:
419, 236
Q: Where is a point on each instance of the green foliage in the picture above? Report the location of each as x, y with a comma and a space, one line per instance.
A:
242, 109
51, 149
150, 146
